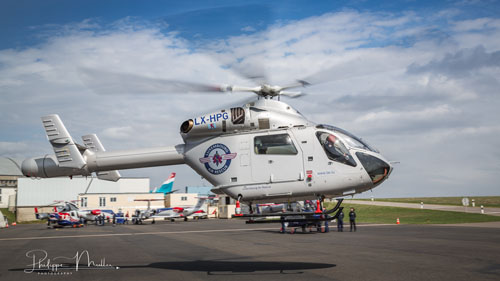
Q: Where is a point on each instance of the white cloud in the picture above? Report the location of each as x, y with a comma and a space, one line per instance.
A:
8, 148
119, 133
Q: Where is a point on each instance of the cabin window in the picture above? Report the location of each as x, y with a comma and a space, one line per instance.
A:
280, 144
335, 149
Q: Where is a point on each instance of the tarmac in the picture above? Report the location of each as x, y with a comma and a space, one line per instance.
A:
477, 210
232, 250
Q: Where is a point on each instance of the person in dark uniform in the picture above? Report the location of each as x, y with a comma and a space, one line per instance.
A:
340, 222
352, 219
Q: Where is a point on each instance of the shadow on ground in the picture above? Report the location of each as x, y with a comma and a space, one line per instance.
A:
215, 267
236, 267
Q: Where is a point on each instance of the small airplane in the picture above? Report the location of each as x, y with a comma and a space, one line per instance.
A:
180, 212
141, 215
94, 215
167, 185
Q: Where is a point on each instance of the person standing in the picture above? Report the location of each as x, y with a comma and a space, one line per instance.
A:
340, 222
352, 219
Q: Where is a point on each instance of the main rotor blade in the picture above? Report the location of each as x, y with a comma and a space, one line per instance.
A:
346, 70
299, 83
292, 95
252, 70
109, 83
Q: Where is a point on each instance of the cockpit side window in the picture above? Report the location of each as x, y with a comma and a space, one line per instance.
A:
335, 149
274, 144
350, 139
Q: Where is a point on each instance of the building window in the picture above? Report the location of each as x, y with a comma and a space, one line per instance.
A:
184, 198
83, 202
112, 199
0, 195
102, 201
228, 200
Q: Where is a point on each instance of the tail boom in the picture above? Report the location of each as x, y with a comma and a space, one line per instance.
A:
72, 159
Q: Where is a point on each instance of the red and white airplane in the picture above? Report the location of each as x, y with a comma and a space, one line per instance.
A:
180, 212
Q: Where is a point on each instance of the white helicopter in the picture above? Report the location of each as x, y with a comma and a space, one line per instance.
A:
262, 151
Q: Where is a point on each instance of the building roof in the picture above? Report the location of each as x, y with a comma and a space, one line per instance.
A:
10, 167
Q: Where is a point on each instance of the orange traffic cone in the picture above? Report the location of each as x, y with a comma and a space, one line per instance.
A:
397, 221
318, 207
7, 224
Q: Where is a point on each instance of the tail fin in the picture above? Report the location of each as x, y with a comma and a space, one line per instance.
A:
201, 201
167, 185
93, 143
67, 152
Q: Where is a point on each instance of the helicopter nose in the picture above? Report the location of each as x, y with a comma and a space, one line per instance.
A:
377, 169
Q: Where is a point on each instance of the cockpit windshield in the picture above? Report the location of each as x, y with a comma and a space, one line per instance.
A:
350, 139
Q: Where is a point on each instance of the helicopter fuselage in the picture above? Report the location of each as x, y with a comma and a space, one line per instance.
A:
261, 152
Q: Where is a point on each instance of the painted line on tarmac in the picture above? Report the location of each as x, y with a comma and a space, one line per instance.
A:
135, 233
159, 233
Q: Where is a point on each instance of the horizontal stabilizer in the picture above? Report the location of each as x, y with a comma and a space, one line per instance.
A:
109, 175
93, 143
67, 153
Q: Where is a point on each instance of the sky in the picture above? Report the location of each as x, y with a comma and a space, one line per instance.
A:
419, 80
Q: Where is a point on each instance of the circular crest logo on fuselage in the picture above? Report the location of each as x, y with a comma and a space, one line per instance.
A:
217, 158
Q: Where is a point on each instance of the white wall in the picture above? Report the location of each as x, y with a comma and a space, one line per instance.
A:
175, 200
124, 201
38, 192
5, 194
